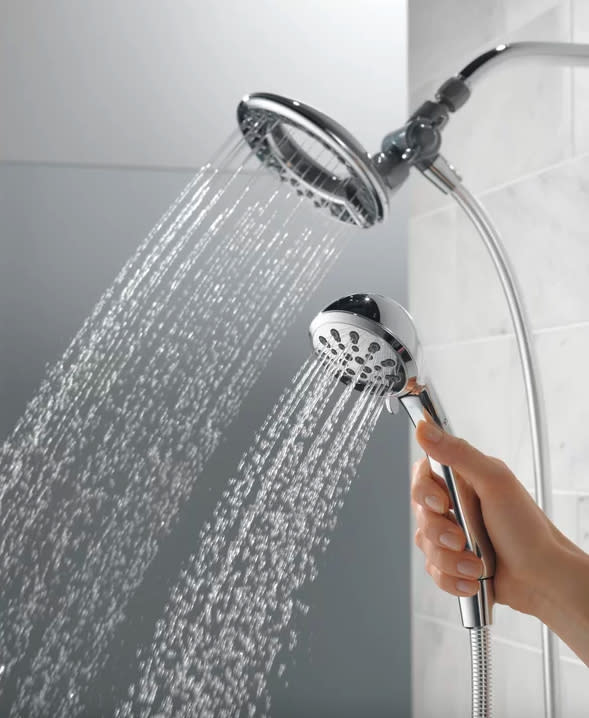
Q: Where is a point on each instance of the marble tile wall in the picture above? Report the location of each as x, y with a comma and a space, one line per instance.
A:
522, 145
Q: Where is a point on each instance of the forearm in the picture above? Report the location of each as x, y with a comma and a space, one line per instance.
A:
563, 602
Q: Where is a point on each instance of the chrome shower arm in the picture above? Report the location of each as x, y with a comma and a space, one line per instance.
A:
418, 142
453, 93
563, 53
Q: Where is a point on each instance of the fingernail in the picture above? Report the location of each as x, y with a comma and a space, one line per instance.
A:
435, 504
465, 586
433, 433
469, 568
451, 541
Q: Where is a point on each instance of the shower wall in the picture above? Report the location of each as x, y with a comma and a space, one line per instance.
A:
106, 108
522, 144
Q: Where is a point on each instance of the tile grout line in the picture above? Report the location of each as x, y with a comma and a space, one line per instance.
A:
436, 346
457, 627
570, 492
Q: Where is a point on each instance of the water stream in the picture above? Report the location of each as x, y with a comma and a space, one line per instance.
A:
230, 615
112, 444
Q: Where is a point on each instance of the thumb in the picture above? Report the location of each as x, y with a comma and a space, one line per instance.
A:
474, 466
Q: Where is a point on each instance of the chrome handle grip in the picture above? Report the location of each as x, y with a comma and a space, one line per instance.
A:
476, 611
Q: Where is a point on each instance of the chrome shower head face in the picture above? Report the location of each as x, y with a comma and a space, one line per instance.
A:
368, 340
316, 155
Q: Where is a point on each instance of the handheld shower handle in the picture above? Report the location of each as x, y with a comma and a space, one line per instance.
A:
466, 507
476, 611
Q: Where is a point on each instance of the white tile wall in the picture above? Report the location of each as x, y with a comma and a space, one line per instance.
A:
519, 144
440, 684
574, 689
543, 220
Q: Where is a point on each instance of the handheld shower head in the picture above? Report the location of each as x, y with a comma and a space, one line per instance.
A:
372, 341
316, 155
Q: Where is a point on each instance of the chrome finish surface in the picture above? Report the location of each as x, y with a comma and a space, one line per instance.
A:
480, 654
316, 155
368, 331
442, 175
565, 53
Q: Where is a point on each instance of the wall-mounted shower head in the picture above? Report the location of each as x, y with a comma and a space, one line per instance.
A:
316, 155
370, 340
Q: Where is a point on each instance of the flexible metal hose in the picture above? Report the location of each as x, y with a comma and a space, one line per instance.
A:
480, 653
488, 233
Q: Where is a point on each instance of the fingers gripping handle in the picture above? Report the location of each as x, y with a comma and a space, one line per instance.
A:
476, 611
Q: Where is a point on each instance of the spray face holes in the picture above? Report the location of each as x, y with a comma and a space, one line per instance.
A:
385, 344
365, 367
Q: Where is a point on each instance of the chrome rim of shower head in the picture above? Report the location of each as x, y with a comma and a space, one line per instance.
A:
316, 155
368, 340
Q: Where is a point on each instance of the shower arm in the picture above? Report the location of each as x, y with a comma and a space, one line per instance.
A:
563, 53
453, 93
418, 142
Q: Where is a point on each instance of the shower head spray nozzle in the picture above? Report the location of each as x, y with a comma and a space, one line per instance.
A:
316, 155
371, 341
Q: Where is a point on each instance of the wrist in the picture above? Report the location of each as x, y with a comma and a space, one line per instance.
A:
556, 578
561, 598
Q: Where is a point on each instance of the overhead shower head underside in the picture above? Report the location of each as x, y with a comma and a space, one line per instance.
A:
316, 155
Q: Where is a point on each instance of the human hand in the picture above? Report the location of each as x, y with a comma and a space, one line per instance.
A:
526, 543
